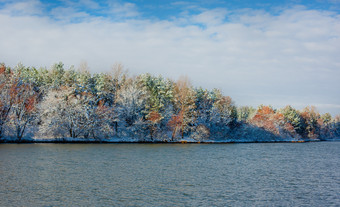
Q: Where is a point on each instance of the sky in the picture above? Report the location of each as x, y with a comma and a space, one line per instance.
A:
257, 52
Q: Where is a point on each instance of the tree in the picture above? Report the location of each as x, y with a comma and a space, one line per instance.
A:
119, 75
130, 104
80, 104
223, 115
312, 121
245, 113
72, 113
184, 105
273, 121
153, 119
293, 117
158, 106
336, 126
54, 115
204, 103
107, 85
56, 75
327, 128
70, 77
6, 100
24, 107
326, 118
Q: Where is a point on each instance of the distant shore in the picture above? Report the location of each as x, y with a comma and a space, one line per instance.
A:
61, 105
79, 141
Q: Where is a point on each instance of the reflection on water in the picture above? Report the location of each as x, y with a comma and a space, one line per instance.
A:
271, 174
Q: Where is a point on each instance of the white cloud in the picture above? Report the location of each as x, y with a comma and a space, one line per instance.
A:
255, 57
210, 17
68, 14
123, 9
32, 7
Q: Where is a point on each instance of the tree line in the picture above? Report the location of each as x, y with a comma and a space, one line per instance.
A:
73, 103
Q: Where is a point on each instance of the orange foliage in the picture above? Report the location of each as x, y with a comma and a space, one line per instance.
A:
21, 94
265, 110
176, 120
289, 127
310, 113
154, 117
262, 115
2, 69
13, 91
103, 110
30, 103
269, 120
101, 103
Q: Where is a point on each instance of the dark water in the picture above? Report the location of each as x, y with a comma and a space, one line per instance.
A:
272, 174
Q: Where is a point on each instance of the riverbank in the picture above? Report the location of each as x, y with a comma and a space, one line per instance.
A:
126, 141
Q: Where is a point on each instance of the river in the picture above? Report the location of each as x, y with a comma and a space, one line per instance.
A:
256, 174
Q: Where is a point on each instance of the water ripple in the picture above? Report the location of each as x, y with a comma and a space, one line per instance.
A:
279, 174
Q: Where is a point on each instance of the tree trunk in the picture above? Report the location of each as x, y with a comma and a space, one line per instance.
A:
174, 133
1, 130
116, 127
151, 133
71, 134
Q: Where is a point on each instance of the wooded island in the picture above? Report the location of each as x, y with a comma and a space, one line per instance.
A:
48, 104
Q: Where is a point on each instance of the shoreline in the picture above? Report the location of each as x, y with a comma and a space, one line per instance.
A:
152, 142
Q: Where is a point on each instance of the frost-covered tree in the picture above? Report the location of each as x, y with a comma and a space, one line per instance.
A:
184, 108
55, 76
41, 79
293, 117
6, 98
24, 107
336, 127
216, 114
327, 129
87, 81
273, 121
70, 77
245, 113
327, 132
104, 87
130, 106
158, 107
51, 116
26, 74
326, 118
204, 103
81, 104
312, 120
119, 76
223, 115
72, 113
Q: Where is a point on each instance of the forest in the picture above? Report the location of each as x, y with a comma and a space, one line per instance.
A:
74, 104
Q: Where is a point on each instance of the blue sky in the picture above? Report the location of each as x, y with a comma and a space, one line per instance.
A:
257, 52
164, 9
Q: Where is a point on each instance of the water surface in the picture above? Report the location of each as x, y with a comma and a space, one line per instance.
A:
268, 174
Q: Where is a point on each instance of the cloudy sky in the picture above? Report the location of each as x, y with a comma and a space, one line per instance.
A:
257, 52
